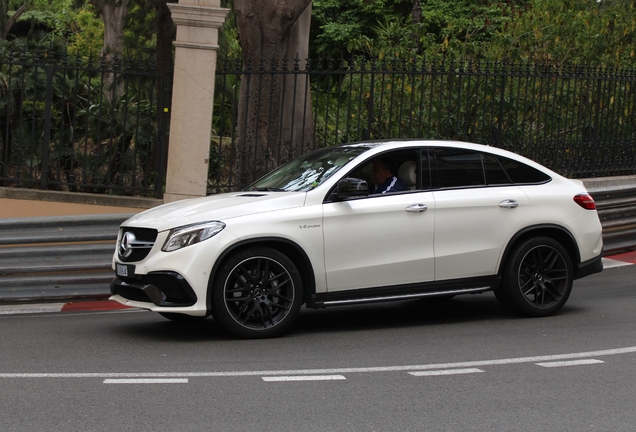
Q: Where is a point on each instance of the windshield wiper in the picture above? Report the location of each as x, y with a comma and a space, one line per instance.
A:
267, 189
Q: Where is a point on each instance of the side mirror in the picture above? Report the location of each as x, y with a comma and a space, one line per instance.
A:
351, 188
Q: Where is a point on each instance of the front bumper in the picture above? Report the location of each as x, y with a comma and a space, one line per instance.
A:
166, 289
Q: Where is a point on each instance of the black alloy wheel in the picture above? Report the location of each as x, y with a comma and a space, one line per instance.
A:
537, 278
257, 294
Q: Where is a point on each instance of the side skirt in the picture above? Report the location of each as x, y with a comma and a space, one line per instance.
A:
405, 292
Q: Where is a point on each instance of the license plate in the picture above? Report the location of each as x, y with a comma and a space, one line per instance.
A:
122, 270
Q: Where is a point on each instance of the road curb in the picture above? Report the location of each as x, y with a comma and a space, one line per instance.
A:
75, 306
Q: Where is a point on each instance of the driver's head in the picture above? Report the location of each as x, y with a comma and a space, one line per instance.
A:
382, 169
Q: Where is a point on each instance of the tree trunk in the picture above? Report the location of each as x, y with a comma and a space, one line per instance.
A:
6, 26
416, 12
165, 36
274, 113
113, 14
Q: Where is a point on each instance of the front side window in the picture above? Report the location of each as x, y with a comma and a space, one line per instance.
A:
308, 171
390, 172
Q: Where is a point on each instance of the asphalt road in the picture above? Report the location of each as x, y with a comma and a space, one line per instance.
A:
461, 365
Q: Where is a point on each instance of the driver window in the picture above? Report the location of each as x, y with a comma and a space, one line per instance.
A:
390, 172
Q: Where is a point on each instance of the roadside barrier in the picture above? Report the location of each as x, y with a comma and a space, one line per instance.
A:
57, 258
617, 212
69, 258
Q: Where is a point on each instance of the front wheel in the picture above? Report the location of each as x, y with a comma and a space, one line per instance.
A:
257, 293
537, 278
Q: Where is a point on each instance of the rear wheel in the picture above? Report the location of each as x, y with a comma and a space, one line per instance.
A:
537, 278
257, 293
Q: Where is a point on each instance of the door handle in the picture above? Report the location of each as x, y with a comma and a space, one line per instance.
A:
509, 204
417, 208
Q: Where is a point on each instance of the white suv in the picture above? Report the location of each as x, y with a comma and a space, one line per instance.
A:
468, 219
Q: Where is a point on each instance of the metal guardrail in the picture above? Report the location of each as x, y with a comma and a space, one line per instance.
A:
617, 212
57, 258
65, 258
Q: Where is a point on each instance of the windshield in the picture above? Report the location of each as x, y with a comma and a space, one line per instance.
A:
308, 171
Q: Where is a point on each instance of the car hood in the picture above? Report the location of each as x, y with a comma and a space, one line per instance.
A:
215, 207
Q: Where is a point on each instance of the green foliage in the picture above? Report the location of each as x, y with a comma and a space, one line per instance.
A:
565, 31
336, 22
140, 34
62, 22
86, 32
229, 46
446, 29
572, 31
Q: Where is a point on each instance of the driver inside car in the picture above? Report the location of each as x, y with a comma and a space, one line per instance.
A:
384, 177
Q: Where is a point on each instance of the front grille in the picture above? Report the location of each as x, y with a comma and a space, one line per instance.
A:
160, 288
147, 236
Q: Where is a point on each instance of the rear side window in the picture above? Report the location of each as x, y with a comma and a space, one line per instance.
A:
495, 174
521, 173
459, 168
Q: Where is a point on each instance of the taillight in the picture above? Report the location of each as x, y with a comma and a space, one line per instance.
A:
585, 201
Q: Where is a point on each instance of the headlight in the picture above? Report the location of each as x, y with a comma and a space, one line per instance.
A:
191, 234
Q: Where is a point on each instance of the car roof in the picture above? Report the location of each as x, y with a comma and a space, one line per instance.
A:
379, 146
410, 142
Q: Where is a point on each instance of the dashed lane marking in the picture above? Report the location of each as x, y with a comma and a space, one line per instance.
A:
570, 363
304, 378
147, 381
446, 372
334, 371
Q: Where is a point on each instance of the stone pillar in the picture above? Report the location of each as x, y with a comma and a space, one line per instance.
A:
198, 23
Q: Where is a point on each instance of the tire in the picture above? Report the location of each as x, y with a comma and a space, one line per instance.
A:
182, 318
257, 293
537, 278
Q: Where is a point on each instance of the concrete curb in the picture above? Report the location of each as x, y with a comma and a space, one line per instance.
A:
78, 306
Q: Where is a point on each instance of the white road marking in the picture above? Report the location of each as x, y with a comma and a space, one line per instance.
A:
570, 363
446, 372
147, 381
336, 371
305, 378
36, 308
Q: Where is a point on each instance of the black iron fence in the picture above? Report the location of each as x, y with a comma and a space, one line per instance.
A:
578, 120
88, 126
84, 125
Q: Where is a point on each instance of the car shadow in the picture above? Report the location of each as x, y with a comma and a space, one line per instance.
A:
157, 328
388, 315
400, 314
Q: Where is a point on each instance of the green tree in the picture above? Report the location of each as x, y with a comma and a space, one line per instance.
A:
334, 23
572, 31
437, 28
